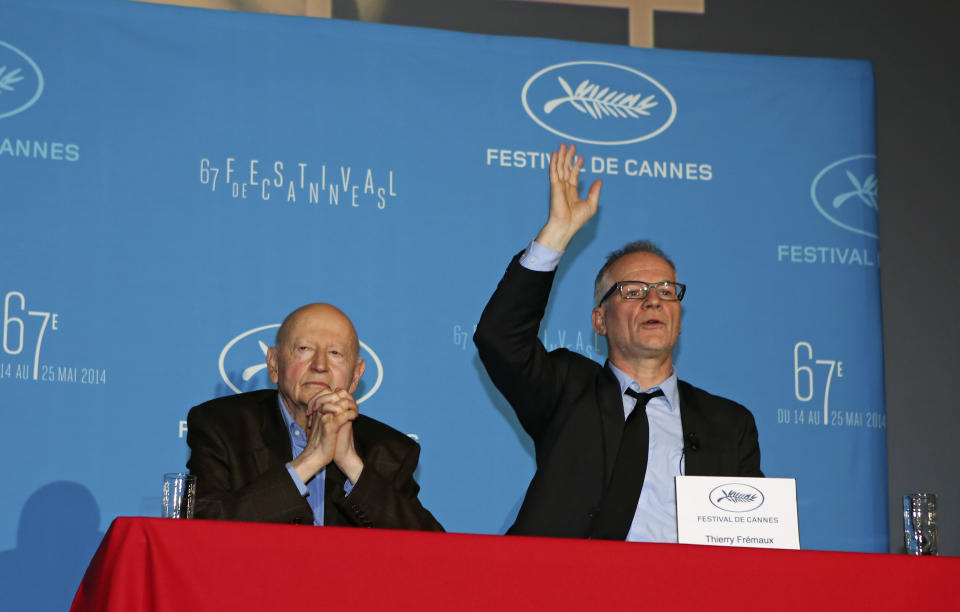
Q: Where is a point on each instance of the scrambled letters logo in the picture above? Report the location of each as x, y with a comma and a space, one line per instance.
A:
845, 193
243, 363
736, 497
598, 103
21, 81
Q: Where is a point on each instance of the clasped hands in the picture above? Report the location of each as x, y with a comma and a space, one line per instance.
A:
329, 418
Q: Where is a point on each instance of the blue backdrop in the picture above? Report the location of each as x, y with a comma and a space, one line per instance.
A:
174, 181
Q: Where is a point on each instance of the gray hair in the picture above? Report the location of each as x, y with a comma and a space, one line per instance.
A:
600, 286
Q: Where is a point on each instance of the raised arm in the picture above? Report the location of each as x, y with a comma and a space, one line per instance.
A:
529, 377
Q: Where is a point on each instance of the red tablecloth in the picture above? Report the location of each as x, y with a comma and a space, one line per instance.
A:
163, 564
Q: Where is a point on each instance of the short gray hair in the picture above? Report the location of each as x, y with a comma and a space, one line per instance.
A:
637, 246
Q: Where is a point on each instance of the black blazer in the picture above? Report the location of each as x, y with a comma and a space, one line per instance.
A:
238, 448
571, 407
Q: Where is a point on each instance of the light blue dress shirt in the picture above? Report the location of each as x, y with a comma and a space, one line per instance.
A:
656, 517
540, 258
313, 490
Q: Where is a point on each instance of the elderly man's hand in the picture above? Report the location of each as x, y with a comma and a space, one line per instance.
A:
344, 408
330, 418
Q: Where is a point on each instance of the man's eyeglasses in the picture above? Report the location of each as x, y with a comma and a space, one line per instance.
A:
638, 290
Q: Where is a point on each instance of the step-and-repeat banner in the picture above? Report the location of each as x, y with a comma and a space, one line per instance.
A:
174, 181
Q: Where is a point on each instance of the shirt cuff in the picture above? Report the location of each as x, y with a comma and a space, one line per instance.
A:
296, 480
540, 258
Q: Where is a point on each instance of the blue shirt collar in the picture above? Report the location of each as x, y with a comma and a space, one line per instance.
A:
299, 442
668, 386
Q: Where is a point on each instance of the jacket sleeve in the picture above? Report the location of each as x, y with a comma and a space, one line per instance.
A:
231, 484
515, 359
385, 495
749, 447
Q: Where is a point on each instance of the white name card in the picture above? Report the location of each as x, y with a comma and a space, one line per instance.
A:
734, 511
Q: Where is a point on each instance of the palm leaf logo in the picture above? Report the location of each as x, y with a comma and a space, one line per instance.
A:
7, 79
590, 99
866, 191
249, 372
736, 497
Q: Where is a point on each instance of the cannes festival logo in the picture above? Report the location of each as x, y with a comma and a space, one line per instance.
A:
845, 193
243, 366
736, 497
598, 103
21, 81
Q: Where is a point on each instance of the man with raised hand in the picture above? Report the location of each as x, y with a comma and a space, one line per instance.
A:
609, 438
303, 453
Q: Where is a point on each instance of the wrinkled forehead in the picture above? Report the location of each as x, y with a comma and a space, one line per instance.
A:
641, 266
320, 323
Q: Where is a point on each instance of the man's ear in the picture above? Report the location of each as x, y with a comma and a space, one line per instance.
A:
599, 324
273, 364
358, 371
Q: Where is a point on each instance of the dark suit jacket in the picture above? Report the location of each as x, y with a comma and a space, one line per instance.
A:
238, 450
571, 406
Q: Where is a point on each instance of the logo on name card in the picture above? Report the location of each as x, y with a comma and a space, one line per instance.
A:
598, 103
845, 193
243, 364
736, 497
21, 81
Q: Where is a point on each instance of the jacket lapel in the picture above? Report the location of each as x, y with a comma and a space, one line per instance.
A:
274, 445
694, 424
611, 419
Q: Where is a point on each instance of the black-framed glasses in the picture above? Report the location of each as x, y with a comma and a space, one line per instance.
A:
667, 291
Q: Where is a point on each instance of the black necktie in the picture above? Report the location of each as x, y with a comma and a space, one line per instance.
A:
623, 492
